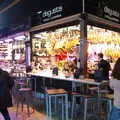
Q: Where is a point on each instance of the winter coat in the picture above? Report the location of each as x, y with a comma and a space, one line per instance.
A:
104, 66
6, 84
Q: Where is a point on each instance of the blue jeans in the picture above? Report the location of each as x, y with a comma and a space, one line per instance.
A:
115, 113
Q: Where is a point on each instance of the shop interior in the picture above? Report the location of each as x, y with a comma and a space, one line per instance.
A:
60, 47
12, 52
55, 48
102, 41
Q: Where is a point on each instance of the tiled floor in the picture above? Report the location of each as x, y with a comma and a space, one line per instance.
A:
34, 116
23, 115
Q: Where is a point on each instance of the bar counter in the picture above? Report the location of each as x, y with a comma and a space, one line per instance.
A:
62, 77
45, 78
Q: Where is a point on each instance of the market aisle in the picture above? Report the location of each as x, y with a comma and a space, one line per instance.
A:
23, 116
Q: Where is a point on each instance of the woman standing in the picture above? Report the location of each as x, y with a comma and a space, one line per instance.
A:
6, 84
115, 85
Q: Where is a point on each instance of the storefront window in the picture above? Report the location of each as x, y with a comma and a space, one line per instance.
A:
102, 41
56, 47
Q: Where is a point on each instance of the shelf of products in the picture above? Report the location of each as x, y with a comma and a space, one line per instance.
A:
12, 52
102, 41
105, 41
61, 46
57, 47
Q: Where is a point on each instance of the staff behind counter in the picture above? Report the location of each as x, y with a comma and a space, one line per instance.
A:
69, 68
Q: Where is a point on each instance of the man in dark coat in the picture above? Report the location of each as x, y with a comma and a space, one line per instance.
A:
6, 84
103, 66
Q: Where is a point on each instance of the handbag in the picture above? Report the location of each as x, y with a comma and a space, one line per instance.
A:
98, 75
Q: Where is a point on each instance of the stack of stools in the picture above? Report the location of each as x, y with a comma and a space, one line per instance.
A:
58, 95
25, 96
88, 105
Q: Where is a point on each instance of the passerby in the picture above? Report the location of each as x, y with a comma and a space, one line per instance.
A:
115, 85
6, 84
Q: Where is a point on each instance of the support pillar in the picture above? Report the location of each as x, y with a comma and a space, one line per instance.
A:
83, 43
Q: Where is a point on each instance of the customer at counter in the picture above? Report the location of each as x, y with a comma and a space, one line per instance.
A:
103, 66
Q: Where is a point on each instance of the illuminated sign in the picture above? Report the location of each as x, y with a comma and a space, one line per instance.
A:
51, 14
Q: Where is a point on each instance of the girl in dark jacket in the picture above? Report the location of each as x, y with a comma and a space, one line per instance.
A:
6, 84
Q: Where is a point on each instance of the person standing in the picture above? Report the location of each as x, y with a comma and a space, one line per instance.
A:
103, 66
115, 85
6, 84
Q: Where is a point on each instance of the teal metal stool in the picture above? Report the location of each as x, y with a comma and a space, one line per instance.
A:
88, 105
57, 94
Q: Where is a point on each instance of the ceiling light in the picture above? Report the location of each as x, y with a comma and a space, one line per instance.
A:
38, 35
1, 42
8, 40
22, 37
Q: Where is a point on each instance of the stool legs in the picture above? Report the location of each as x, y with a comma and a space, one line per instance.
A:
85, 109
46, 97
50, 111
49, 105
66, 103
109, 109
62, 99
73, 104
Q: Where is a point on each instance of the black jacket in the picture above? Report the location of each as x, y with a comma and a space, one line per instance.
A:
6, 84
104, 66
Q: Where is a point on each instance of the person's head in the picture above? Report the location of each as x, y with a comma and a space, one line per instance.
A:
116, 70
100, 56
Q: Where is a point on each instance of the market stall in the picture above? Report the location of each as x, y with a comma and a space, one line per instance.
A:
104, 41
12, 52
61, 46
59, 39
55, 47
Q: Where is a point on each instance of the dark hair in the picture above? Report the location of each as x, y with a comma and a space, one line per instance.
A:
116, 70
100, 55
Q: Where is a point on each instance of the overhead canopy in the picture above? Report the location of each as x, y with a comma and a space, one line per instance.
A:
19, 9
42, 11
107, 9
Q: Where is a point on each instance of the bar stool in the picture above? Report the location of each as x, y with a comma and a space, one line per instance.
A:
25, 97
88, 105
57, 94
108, 98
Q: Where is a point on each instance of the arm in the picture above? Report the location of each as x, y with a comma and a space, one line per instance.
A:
111, 83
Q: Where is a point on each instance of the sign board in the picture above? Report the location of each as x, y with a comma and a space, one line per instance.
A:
56, 10
40, 10
107, 9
